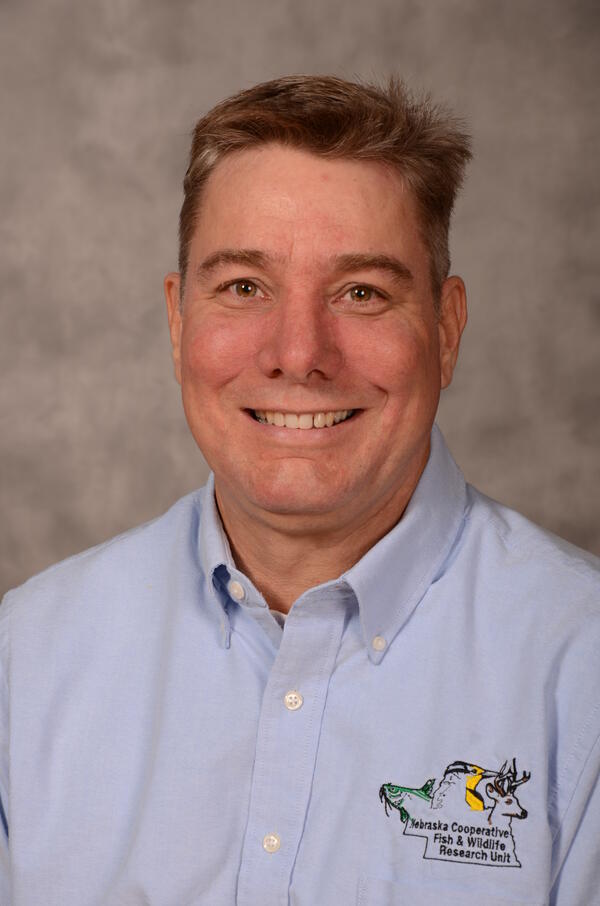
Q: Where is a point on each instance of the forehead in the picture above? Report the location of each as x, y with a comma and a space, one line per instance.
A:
293, 201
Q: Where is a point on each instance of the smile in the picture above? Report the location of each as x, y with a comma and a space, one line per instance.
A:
305, 420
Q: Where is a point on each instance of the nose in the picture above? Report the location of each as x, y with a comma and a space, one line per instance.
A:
300, 342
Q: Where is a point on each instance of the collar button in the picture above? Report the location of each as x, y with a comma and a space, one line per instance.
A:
236, 590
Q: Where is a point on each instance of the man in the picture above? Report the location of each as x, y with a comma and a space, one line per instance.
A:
336, 674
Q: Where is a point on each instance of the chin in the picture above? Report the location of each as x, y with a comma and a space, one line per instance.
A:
289, 488
291, 501
302, 498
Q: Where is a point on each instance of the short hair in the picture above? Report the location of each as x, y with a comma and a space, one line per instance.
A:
336, 119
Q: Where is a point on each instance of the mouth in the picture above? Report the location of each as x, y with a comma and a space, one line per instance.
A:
303, 421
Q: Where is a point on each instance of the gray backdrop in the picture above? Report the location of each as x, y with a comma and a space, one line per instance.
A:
98, 99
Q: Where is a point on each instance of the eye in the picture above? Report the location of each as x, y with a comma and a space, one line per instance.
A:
362, 296
508, 801
243, 289
361, 293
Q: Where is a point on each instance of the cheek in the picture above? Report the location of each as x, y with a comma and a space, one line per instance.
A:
397, 358
213, 353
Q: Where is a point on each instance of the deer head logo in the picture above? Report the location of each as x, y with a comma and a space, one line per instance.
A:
502, 791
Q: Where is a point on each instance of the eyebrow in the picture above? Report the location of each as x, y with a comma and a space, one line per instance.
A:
248, 257
354, 261
358, 262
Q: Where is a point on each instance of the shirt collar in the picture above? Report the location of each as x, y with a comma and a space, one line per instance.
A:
392, 577
214, 544
224, 581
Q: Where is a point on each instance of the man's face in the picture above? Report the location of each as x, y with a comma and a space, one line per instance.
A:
308, 302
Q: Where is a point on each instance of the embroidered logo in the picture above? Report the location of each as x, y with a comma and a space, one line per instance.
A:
466, 817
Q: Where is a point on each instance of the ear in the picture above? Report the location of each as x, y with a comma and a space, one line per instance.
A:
490, 790
451, 323
172, 286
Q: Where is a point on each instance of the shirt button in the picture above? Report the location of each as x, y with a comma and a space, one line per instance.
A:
379, 643
293, 700
271, 843
236, 590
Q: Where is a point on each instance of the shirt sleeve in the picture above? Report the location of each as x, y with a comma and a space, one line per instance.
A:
576, 856
5, 884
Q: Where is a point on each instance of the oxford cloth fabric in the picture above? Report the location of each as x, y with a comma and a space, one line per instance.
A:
441, 744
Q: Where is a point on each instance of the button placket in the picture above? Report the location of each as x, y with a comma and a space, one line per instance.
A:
287, 745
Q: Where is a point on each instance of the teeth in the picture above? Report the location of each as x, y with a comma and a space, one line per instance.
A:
305, 420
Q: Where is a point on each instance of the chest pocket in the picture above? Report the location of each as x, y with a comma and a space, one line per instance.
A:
377, 892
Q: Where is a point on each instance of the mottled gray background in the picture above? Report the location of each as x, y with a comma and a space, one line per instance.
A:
98, 99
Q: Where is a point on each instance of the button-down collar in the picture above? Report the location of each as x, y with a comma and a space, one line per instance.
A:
225, 583
393, 576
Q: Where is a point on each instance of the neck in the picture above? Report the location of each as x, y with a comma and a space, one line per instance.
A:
285, 557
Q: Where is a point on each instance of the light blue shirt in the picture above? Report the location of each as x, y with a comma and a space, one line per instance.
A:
423, 730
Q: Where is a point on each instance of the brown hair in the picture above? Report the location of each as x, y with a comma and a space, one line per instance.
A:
423, 142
